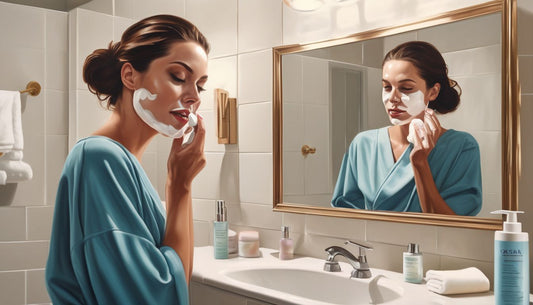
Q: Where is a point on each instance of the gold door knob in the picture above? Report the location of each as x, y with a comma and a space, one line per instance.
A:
308, 150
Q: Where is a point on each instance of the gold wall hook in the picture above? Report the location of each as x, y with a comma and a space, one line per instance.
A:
33, 88
308, 150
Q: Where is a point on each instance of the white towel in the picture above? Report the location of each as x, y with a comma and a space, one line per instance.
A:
3, 177
9, 119
469, 280
12, 168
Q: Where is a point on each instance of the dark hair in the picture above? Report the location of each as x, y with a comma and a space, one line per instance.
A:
140, 44
432, 68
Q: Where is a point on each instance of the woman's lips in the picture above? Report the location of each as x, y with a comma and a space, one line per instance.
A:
181, 115
395, 113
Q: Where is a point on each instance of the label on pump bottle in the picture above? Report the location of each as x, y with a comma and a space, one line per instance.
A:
511, 281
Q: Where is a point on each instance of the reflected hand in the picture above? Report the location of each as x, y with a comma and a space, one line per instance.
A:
426, 137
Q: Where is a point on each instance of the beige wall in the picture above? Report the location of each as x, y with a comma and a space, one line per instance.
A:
240, 62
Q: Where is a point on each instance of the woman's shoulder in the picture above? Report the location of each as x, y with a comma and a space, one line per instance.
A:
369, 136
96, 149
459, 138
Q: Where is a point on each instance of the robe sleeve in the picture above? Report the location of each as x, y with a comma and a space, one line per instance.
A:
461, 187
347, 193
118, 259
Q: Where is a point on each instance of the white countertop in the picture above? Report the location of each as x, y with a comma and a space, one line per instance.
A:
210, 271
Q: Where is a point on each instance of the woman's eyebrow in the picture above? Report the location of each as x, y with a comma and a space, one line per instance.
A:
407, 80
184, 65
187, 68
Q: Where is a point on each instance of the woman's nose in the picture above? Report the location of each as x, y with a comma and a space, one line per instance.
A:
395, 96
191, 97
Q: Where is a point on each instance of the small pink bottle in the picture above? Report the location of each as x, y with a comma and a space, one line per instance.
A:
286, 245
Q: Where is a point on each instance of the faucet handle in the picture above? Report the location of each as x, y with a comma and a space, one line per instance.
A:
362, 246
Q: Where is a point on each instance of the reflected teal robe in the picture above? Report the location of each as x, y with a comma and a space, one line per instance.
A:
108, 227
370, 179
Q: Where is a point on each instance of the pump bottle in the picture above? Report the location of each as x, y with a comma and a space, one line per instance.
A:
511, 262
220, 234
286, 245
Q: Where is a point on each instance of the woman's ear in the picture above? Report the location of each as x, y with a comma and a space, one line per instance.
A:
434, 92
128, 75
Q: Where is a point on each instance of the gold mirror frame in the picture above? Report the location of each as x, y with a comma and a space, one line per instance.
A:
510, 120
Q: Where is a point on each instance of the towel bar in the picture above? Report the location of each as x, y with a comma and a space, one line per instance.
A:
33, 88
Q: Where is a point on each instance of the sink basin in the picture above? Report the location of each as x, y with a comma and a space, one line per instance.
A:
321, 286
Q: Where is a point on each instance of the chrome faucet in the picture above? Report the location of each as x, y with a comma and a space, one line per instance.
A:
359, 264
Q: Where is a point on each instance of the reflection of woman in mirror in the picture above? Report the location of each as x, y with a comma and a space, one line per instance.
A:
112, 240
415, 165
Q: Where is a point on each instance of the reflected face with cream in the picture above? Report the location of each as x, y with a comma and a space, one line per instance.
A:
169, 90
405, 94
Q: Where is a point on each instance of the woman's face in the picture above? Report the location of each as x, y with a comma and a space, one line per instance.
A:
405, 94
176, 80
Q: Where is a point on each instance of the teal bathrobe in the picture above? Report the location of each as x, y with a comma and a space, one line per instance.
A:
108, 227
370, 179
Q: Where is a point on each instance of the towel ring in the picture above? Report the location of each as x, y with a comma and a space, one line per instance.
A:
33, 88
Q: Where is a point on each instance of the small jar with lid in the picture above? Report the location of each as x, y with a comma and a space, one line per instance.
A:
249, 244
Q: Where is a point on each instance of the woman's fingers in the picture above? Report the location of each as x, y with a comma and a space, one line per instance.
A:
432, 122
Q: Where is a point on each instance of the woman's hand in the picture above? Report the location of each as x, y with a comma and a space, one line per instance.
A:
184, 163
426, 137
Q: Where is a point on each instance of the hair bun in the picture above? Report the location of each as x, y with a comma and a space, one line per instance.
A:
101, 72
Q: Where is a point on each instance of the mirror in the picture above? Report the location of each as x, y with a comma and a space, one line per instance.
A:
327, 92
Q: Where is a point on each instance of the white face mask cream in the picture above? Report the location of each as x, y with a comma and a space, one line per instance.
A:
142, 99
414, 105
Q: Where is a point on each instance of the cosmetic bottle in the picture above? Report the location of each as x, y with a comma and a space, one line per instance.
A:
412, 265
220, 234
511, 262
286, 244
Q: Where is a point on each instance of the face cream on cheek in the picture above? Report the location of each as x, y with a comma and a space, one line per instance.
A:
414, 102
148, 117
414, 105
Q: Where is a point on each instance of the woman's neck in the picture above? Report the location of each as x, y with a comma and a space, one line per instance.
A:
398, 140
398, 134
125, 127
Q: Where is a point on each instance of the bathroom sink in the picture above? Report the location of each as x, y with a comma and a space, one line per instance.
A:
321, 286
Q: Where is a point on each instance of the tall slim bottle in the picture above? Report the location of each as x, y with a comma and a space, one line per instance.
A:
220, 234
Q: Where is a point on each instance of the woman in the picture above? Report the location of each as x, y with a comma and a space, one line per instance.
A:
111, 243
415, 165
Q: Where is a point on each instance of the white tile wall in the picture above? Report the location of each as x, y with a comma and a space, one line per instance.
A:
218, 22
244, 179
13, 287
222, 74
39, 223
97, 31
36, 286
22, 255
12, 224
255, 177
259, 24
255, 127
139, 9
255, 77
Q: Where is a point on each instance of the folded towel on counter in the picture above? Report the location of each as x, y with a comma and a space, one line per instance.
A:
469, 280
9, 117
